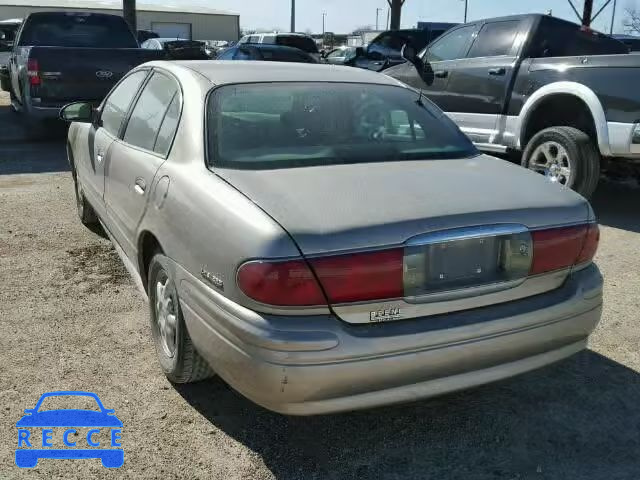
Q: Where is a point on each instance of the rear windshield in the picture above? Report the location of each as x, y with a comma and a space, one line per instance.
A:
285, 125
285, 55
77, 30
297, 41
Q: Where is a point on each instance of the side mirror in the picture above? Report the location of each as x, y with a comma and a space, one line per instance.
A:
359, 52
409, 53
77, 112
29, 410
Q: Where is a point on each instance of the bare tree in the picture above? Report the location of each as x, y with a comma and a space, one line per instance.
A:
631, 20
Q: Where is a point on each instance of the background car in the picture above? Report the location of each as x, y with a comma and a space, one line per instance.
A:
341, 55
384, 50
333, 241
178, 49
295, 40
266, 52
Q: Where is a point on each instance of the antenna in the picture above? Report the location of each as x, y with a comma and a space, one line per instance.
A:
419, 100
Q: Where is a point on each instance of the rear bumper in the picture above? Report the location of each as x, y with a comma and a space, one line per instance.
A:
620, 140
319, 364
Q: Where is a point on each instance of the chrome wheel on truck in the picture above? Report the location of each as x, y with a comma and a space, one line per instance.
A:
564, 155
552, 160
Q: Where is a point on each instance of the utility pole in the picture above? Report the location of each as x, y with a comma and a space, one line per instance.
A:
293, 16
613, 17
129, 13
324, 14
396, 11
378, 10
466, 8
586, 13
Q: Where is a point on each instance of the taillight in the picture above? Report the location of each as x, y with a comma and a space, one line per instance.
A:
360, 277
33, 72
281, 283
559, 248
354, 277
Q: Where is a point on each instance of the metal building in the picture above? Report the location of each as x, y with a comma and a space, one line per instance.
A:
179, 21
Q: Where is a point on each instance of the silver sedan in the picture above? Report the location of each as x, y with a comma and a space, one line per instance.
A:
325, 239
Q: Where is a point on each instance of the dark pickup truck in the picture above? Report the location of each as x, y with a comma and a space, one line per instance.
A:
564, 96
62, 57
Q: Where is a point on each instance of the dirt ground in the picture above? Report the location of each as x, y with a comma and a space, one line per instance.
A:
70, 319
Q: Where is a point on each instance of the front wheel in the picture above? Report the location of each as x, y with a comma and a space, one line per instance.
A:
86, 213
180, 361
564, 155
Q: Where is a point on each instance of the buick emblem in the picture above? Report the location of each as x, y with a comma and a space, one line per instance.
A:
104, 74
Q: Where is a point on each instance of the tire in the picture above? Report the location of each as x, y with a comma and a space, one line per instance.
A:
178, 358
582, 158
86, 213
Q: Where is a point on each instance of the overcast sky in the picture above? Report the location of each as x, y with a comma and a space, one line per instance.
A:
345, 15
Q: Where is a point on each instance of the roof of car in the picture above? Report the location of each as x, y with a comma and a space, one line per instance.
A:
221, 72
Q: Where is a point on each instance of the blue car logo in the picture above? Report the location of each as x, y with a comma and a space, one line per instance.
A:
99, 422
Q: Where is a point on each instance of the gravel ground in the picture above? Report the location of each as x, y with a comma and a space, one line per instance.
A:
71, 320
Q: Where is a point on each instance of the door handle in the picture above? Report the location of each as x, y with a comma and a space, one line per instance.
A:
497, 71
441, 73
140, 186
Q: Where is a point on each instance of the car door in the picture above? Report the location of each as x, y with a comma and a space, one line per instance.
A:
479, 85
440, 60
138, 155
103, 133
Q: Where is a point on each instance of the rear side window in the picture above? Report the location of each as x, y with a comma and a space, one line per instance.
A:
494, 39
77, 30
557, 38
287, 125
451, 45
297, 41
169, 126
269, 39
117, 104
149, 112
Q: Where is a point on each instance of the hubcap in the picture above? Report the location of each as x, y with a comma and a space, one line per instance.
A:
166, 314
552, 160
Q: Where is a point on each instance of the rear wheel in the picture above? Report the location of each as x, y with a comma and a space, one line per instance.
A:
178, 357
564, 155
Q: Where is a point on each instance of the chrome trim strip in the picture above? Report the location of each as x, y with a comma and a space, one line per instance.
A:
361, 313
466, 233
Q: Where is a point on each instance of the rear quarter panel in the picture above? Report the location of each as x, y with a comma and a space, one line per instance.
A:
613, 78
200, 221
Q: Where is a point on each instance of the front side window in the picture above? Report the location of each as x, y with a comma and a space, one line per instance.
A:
494, 39
227, 55
149, 112
451, 46
336, 53
117, 103
286, 125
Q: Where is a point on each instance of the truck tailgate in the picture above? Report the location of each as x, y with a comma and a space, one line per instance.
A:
76, 74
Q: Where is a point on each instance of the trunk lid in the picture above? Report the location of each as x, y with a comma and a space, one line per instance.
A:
345, 207
75, 74
461, 227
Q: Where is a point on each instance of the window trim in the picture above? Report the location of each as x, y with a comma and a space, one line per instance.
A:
135, 102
